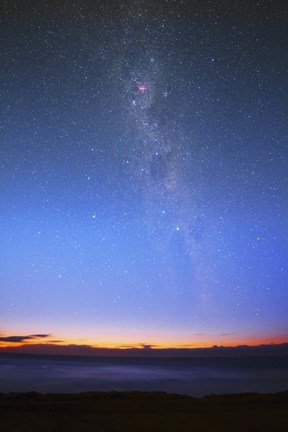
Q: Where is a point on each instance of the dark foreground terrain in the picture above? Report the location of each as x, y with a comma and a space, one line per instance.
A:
142, 412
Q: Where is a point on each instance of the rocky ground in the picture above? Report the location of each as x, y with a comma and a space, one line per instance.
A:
143, 412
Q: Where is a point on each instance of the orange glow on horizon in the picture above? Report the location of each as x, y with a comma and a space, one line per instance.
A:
163, 343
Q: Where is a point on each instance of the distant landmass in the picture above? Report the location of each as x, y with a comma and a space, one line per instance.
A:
148, 351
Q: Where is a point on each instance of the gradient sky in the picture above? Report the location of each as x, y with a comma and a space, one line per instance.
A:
144, 172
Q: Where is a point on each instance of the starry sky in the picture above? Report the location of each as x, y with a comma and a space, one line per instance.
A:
144, 172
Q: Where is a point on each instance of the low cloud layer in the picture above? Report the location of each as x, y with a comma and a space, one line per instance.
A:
18, 339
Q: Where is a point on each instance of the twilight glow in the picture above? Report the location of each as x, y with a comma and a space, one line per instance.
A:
144, 174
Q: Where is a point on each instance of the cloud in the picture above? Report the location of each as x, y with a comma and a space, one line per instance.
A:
40, 335
138, 346
147, 346
17, 339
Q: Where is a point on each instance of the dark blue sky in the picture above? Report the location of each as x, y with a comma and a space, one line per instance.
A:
144, 171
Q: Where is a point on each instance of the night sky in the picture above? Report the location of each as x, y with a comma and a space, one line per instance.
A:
144, 172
